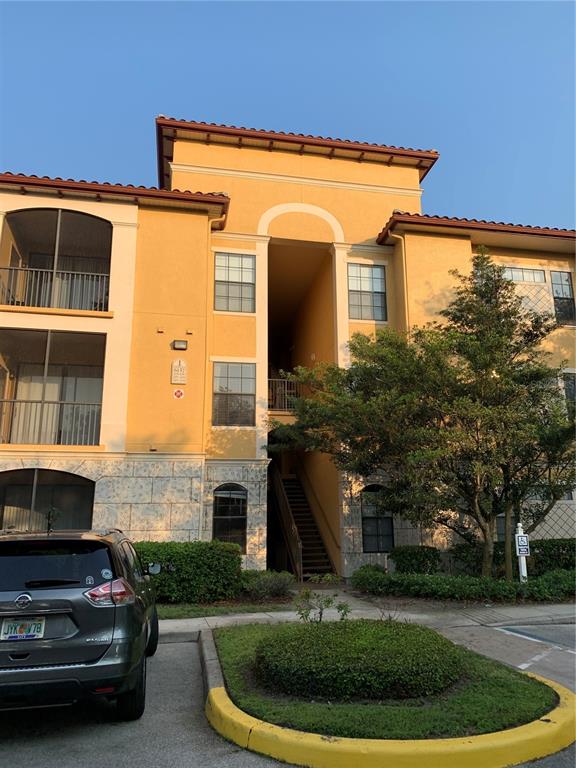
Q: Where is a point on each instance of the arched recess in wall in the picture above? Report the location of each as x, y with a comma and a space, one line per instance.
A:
55, 257
41, 499
303, 208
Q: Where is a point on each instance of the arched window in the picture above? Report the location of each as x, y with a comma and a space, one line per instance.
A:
44, 499
55, 258
377, 524
229, 518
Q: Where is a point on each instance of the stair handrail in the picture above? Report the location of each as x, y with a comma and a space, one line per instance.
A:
291, 534
310, 491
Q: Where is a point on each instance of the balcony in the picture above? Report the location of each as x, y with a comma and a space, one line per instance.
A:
27, 287
51, 386
55, 258
49, 423
282, 393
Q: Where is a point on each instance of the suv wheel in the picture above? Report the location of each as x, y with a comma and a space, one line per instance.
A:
154, 634
130, 705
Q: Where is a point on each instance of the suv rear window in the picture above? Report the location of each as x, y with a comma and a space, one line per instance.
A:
53, 564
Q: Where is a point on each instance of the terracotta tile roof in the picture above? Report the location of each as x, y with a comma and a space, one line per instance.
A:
140, 194
400, 217
168, 126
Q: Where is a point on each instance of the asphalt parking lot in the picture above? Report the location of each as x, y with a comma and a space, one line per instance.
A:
174, 732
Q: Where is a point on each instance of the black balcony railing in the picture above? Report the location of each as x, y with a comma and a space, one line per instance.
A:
282, 393
37, 422
25, 287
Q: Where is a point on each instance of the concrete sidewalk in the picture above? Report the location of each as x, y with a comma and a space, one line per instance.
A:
431, 613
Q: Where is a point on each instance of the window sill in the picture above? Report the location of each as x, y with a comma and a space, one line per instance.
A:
47, 447
237, 314
374, 322
231, 426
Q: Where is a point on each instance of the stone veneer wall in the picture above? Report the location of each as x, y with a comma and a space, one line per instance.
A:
166, 498
353, 555
252, 475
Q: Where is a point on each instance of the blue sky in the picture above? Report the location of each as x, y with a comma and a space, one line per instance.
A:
488, 84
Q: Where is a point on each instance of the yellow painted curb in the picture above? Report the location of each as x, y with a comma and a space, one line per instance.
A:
551, 733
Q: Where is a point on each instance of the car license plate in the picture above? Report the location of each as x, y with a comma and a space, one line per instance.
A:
22, 629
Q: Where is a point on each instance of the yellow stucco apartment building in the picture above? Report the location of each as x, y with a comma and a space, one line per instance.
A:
143, 331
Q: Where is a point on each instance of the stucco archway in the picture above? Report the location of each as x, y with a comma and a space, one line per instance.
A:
312, 210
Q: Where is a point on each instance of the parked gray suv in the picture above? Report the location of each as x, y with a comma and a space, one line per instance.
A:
77, 620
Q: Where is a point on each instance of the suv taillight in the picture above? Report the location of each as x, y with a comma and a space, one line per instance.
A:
117, 592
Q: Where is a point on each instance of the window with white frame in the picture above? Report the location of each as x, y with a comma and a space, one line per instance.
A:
522, 275
563, 297
235, 281
377, 524
234, 399
367, 292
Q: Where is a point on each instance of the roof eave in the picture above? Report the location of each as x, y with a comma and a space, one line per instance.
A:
425, 158
215, 205
466, 226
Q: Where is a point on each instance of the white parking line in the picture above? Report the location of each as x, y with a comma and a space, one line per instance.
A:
538, 657
519, 634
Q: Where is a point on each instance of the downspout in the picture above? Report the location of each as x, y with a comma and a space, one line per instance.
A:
400, 239
214, 223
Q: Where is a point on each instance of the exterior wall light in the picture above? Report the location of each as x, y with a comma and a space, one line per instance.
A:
179, 344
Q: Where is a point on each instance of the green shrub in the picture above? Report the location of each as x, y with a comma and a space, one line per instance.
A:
193, 571
550, 555
551, 586
262, 585
361, 659
545, 555
415, 559
367, 578
556, 585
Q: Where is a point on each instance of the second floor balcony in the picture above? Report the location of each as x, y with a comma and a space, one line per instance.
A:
45, 422
282, 394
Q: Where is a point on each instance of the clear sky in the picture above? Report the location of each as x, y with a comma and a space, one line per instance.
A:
488, 84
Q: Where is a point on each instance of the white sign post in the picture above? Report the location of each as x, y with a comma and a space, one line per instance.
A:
522, 551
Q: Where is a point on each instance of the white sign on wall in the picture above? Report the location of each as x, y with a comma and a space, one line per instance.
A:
179, 374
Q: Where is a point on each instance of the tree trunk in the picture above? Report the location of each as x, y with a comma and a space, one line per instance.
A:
508, 534
488, 551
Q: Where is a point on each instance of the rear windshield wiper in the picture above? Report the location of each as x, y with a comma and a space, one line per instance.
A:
49, 582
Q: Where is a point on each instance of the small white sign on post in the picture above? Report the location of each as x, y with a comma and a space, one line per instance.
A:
522, 551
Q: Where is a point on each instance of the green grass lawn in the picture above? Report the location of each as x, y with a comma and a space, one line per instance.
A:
491, 697
196, 610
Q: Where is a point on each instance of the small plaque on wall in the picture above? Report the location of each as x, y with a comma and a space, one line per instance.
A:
179, 373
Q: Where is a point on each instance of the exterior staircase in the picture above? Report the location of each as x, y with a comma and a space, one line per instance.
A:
314, 555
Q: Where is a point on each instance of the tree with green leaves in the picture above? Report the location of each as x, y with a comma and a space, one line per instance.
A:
462, 421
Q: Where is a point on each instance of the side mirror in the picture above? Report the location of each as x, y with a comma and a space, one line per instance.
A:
154, 569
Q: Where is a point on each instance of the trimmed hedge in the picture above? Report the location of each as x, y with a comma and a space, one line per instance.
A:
193, 571
262, 585
415, 559
545, 555
553, 586
551, 555
362, 659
